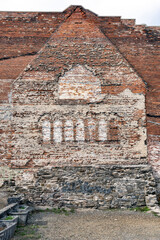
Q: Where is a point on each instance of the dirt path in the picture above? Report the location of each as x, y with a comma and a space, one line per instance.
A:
92, 225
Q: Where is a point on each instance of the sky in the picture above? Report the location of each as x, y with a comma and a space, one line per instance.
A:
144, 11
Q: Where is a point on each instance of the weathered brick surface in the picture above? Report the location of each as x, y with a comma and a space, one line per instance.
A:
154, 149
81, 98
5, 120
64, 83
11, 68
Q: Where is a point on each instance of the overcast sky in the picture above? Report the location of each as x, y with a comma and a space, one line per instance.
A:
144, 11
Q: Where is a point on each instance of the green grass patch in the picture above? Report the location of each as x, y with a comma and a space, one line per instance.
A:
63, 211
72, 210
9, 218
59, 211
27, 232
155, 214
22, 207
140, 209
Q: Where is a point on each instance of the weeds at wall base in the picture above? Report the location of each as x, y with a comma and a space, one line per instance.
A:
27, 232
140, 209
59, 211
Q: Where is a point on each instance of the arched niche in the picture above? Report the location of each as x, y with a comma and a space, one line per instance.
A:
102, 130
68, 130
57, 131
80, 134
46, 130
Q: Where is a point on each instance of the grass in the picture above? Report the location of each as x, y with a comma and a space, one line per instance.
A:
27, 232
30, 231
22, 207
62, 211
9, 218
140, 209
155, 214
59, 211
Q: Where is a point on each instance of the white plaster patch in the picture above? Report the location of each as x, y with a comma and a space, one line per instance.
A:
27, 177
91, 129
128, 93
140, 145
46, 130
140, 104
20, 163
102, 130
57, 134
40, 162
80, 130
68, 130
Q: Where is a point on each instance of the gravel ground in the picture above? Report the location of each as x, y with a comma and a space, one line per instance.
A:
92, 225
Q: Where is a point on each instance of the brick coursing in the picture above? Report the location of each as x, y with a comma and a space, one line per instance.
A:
81, 98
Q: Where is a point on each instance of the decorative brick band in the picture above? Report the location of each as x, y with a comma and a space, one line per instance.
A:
79, 130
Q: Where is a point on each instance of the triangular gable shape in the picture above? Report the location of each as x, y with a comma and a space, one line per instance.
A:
72, 8
79, 41
80, 74
80, 26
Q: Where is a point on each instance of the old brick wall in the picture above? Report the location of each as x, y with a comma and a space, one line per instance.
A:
5, 120
140, 46
79, 102
75, 79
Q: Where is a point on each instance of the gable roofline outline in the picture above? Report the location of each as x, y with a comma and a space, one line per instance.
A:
146, 84
72, 8
82, 9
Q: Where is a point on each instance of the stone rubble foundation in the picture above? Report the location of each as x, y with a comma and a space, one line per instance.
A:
101, 187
